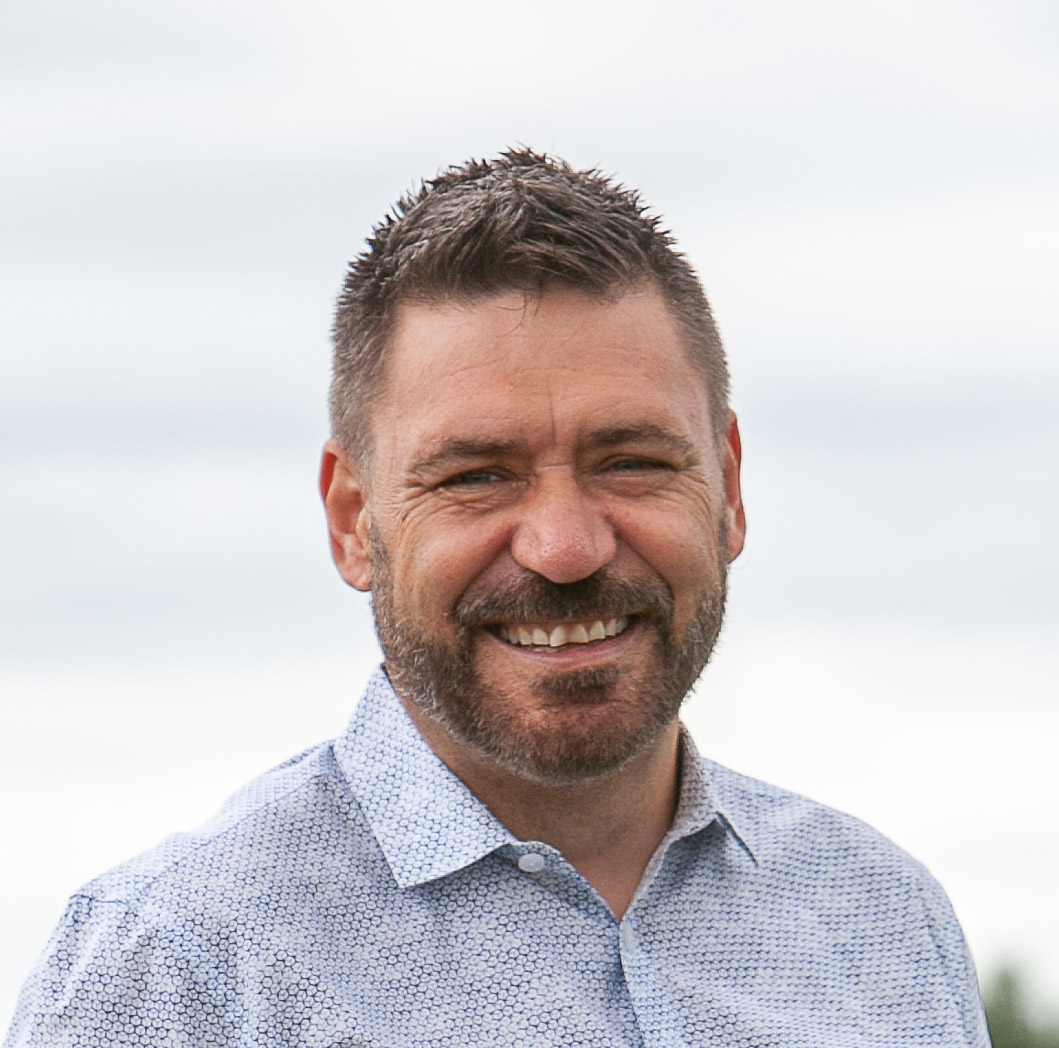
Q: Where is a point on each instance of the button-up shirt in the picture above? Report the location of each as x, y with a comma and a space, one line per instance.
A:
361, 895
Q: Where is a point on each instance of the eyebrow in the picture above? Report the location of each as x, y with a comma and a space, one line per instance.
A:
461, 449
640, 433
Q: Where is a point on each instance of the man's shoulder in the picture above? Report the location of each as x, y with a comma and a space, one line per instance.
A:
250, 841
161, 939
785, 829
810, 858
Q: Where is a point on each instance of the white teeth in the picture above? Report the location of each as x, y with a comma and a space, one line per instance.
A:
559, 636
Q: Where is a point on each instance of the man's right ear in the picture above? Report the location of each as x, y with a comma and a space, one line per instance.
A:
348, 516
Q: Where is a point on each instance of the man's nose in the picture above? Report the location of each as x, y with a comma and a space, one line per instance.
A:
562, 534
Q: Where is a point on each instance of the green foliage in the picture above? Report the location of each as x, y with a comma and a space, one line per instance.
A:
1010, 1024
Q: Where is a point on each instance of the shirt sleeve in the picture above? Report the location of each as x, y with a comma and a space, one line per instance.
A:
108, 977
956, 961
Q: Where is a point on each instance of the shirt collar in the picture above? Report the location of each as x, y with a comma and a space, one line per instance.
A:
708, 794
429, 824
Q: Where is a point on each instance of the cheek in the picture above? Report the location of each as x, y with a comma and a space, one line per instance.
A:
433, 566
683, 549
690, 569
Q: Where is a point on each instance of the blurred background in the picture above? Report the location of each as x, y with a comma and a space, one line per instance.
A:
869, 193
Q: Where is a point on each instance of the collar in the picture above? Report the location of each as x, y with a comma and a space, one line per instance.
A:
709, 793
429, 824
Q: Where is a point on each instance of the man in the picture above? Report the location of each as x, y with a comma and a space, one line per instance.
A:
535, 472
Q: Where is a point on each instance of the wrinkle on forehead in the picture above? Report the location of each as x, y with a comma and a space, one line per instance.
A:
540, 360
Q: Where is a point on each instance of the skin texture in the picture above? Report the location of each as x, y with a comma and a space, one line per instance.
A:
530, 451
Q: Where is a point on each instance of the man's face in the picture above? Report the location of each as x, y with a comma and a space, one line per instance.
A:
546, 526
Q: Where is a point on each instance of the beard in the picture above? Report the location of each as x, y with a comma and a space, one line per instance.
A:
586, 722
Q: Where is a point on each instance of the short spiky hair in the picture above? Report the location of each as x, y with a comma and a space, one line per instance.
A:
522, 221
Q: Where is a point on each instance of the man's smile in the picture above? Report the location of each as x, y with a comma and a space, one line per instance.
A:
558, 635
569, 644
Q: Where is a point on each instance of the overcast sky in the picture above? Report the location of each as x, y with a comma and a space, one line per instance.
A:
869, 193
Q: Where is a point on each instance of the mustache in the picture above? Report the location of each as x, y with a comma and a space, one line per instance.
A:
533, 598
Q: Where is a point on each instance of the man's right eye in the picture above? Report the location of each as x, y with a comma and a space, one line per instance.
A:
472, 478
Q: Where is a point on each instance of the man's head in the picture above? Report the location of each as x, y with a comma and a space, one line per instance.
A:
549, 506
520, 222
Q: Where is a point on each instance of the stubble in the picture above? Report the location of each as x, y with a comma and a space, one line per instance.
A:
587, 722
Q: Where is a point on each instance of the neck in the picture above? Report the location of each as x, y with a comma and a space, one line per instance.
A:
607, 828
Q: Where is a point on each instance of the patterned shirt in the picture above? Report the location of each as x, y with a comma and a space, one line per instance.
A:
361, 895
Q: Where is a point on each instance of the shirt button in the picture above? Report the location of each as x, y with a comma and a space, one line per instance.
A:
531, 862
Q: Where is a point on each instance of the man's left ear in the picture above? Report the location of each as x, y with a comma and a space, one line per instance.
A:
735, 518
348, 516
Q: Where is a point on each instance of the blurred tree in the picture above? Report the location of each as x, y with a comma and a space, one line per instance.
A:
1010, 1024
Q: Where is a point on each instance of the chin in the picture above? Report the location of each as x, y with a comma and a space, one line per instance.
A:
564, 728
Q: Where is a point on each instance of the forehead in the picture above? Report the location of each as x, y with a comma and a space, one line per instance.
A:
510, 362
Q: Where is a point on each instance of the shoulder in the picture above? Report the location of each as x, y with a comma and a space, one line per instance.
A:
830, 862
783, 828
258, 831
816, 894
834, 865
161, 943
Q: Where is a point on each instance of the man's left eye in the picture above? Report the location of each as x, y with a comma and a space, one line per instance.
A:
635, 465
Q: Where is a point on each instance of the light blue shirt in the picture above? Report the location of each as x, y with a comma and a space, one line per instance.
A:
360, 895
